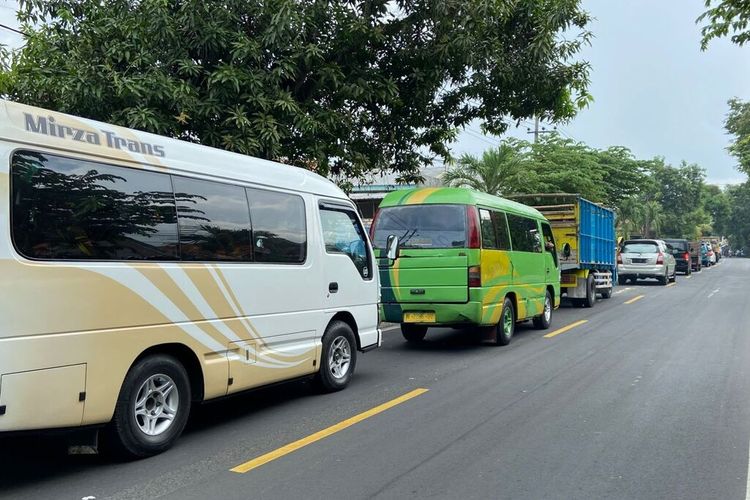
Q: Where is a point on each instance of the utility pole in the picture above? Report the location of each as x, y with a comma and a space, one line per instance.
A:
536, 130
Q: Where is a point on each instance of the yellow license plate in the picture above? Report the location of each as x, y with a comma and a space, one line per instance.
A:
419, 317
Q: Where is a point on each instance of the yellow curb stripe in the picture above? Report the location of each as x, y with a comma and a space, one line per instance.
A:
671, 285
566, 328
634, 299
312, 438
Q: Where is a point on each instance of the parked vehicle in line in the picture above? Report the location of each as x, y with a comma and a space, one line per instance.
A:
680, 250
143, 274
706, 254
585, 237
696, 255
646, 258
452, 256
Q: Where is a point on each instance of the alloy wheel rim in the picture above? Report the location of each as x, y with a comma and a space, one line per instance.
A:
507, 322
340, 357
547, 309
156, 404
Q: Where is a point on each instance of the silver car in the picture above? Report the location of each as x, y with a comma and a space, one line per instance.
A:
646, 259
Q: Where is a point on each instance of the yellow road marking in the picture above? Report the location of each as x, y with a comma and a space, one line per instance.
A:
688, 277
566, 328
639, 297
671, 284
301, 443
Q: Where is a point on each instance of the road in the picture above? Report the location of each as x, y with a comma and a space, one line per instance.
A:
650, 398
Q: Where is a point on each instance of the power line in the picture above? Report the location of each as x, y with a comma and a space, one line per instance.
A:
11, 29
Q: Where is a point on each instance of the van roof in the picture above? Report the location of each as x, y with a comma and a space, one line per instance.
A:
456, 196
37, 127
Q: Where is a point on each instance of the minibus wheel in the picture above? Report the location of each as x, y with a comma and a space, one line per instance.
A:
543, 321
338, 358
152, 408
507, 325
413, 333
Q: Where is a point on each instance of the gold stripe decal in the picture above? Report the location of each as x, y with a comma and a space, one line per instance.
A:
312, 438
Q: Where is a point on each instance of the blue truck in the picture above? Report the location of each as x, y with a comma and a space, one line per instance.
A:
586, 244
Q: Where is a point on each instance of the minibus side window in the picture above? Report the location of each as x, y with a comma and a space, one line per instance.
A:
71, 209
278, 226
524, 234
549, 241
501, 229
214, 220
343, 234
489, 237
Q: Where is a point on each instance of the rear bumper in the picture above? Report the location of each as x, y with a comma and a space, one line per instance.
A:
683, 266
445, 314
646, 271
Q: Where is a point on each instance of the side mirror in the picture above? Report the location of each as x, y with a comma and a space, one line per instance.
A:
391, 247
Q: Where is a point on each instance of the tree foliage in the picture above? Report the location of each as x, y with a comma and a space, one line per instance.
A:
499, 171
725, 18
344, 87
738, 125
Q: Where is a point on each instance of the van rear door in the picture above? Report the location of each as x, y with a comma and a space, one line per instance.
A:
432, 265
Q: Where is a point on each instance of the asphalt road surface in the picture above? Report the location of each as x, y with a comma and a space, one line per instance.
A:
649, 398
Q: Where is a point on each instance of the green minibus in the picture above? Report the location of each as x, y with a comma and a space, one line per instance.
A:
458, 257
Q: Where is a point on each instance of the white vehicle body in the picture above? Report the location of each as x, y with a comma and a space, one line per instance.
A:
72, 327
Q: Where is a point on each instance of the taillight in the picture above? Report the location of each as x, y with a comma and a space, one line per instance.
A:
472, 216
475, 277
687, 256
619, 258
660, 258
372, 226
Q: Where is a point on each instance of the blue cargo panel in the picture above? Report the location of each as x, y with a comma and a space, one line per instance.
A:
596, 235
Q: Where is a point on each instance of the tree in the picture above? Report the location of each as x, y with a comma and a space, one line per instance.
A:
343, 87
738, 125
739, 218
723, 17
499, 172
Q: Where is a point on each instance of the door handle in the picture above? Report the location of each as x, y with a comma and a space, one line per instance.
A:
333, 287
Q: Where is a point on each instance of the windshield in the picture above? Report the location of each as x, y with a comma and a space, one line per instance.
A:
640, 248
678, 246
422, 226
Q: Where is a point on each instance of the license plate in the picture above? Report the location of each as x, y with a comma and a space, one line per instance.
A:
419, 317
639, 261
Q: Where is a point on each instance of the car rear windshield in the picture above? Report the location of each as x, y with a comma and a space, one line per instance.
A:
640, 248
678, 245
422, 226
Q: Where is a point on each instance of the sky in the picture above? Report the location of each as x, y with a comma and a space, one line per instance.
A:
654, 91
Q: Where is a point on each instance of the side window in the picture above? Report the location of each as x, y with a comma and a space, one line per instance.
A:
524, 234
214, 220
501, 229
549, 241
279, 229
66, 208
343, 234
489, 237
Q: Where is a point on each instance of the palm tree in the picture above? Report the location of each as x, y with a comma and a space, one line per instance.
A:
499, 171
653, 218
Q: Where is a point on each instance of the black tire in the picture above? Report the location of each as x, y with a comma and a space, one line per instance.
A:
607, 294
413, 333
590, 299
673, 278
338, 343
543, 321
125, 436
663, 280
504, 335
622, 280
689, 271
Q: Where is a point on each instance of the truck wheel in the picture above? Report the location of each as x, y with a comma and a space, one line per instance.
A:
152, 408
607, 294
590, 299
338, 357
413, 333
543, 321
